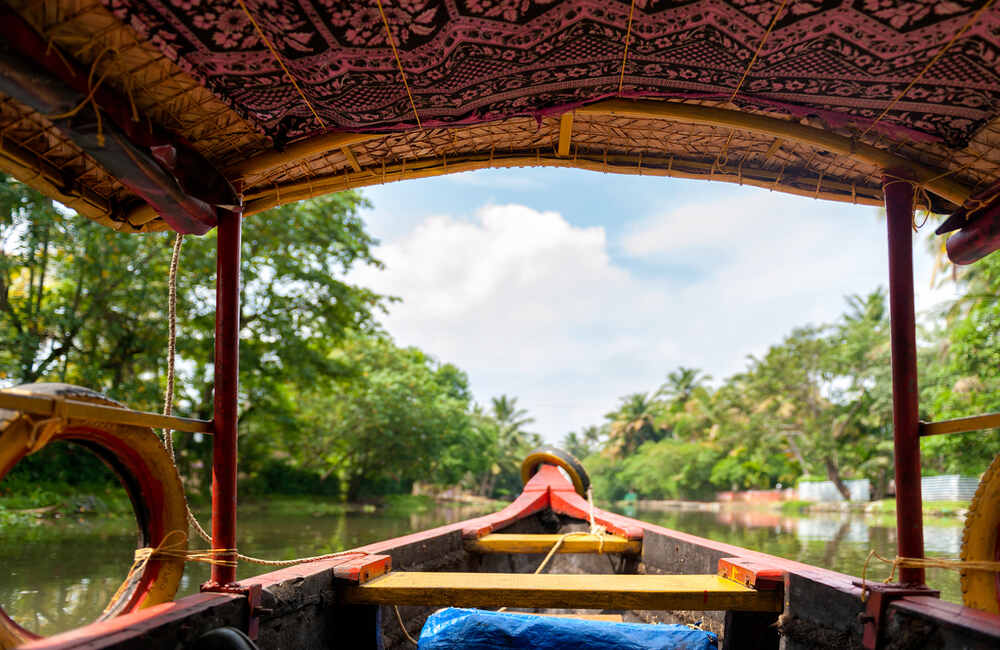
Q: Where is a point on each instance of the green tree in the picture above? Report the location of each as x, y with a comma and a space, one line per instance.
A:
394, 420
633, 423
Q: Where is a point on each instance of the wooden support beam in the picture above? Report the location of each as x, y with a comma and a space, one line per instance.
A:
267, 197
298, 152
573, 591
961, 425
934, 180
46, 406
565, 133
351, 158
517, 543
173, 178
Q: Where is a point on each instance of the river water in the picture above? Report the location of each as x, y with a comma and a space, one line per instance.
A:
59, 575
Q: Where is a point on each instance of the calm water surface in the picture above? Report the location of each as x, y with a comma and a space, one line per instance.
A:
60, 575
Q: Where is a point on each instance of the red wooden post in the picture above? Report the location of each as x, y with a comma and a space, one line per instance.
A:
906, 436
227, 363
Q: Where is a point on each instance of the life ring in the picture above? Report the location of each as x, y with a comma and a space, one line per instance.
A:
981, 541
560, 458
146, 472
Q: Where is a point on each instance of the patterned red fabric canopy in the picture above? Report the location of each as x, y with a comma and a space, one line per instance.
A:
468, 61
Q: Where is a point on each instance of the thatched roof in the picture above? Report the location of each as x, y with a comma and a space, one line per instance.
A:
293, 99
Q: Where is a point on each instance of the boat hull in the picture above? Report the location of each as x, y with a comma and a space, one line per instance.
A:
303, 606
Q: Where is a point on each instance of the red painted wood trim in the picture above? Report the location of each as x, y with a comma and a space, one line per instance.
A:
952, 614
752, 573
902, 328
132, 626
227, 364
527, 503
572, 504
360, 570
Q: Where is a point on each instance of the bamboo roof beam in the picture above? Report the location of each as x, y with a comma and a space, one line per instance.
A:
933, 180
565, 133
297, 152
351, 158
267, 198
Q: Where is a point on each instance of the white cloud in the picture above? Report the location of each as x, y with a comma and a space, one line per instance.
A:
533, 306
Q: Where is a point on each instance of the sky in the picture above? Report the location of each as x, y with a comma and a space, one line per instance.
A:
570, 289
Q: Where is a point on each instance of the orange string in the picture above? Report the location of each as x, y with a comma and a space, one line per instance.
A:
277, 57
760, 46
628, 34
399, 64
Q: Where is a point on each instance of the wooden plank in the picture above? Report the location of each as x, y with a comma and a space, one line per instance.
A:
961, 425
46, 405
751, 573
561, 591
515, 543
351, 158
565, 133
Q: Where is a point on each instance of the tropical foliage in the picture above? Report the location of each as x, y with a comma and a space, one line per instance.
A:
818, 404
328, 402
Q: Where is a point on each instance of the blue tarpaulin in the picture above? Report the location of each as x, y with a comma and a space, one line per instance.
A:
475, 629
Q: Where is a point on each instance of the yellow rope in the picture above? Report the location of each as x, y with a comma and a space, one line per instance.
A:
922, 563
399, 618
172, 546
628, 34
89, 99
596, 530
167, 437
281, 62
930, 65
399, 64
760, 46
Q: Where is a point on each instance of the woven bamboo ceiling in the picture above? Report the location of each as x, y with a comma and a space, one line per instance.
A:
279, 100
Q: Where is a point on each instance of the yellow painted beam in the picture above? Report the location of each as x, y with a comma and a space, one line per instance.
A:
17, 400
961, 425
351, 158
565, 133
562, 591
515, 543
266, 197
297, 152
934, 180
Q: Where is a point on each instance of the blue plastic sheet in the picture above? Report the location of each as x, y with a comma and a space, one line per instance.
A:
475, 629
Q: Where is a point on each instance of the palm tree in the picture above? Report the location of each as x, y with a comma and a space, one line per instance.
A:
681, 385
632, 424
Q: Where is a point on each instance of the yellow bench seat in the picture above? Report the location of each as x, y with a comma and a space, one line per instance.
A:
562, 591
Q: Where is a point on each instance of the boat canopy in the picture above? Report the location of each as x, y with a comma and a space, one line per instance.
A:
149, 116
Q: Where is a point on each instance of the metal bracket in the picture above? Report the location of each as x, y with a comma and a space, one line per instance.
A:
253, 593
880, 595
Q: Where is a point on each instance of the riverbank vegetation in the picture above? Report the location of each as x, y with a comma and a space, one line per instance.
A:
815, 406
330, 405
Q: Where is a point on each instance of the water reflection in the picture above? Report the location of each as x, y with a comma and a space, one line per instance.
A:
60, 575
837, 541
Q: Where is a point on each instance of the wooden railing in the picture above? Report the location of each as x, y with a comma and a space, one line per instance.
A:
50, 406
961, 425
